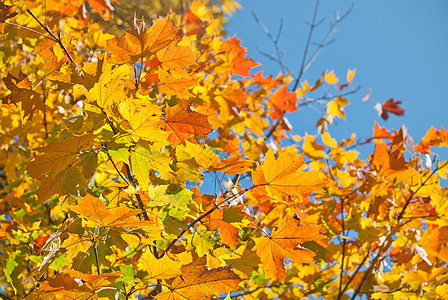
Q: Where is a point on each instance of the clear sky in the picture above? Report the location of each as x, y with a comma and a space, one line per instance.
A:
399, 49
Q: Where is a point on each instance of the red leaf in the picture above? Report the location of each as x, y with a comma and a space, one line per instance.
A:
389, 106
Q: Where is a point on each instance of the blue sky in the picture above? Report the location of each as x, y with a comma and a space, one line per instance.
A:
399, 49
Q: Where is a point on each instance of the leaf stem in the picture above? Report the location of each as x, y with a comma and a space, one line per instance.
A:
54, 38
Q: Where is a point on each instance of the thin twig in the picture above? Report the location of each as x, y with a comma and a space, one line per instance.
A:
29, 29
116, 168
56, 39
95, 251
275, 40
307, 47
304, 66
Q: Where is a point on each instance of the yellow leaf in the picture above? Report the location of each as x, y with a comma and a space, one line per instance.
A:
336, 107
284, 242
162, 268
330, 77
281, 179
97, 214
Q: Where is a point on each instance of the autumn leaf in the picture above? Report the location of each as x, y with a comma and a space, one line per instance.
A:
284, 242
97, 214
350, 76
72, 284
390, 106
283, 100
175, 82
66, 182
22, 95
232, 165
221, 220
75, 244
433, 137
143, 121
159, 268
146, 158
141, 41
199, 282
6, 12
58, 155
280, 178
330, 77
184, 124
174, 57
109, 89
194, 24
233, 56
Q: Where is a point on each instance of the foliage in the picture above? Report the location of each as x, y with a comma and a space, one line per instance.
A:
155, 163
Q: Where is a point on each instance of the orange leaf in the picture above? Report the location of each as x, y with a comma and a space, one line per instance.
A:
283, 100
233, 55
58, 155
433, 137
199, 282
220, 220
67, 285
184, 124
22, 95
281, 179
194, 24
98, 214
141, 41
175, 84
283, 242
174, 57
380, 133
232, 165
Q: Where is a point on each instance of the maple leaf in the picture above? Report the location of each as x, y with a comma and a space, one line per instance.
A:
143, 120
22, 95
199, 282
232, 165
194, 24
145, 158
141, 41
75, 244
159, 268
390, 106
58, 155
97, 214
66, 284
175, 85
61, 161
185, 124
233, 55
6, 12
350, 76
102, 7
283, 100
433, 137
66, 182
330, 77
174, 57
284, 242
53, 54
109, 89
280, 177
220, 220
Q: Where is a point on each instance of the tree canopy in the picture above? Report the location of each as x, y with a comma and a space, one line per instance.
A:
142, 157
